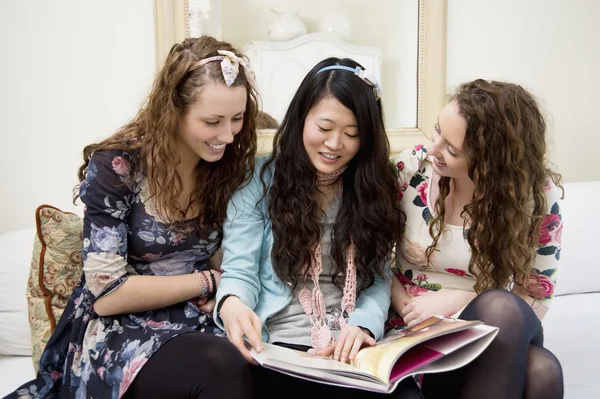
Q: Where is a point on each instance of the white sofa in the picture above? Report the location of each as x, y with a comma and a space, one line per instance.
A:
570, 326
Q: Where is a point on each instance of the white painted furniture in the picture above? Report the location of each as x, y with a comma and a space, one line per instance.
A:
281, 66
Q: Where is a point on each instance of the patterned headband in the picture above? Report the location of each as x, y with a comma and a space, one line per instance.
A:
361, 73
230, 67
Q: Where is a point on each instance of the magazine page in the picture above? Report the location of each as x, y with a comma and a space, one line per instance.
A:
380, 359
460, 348
279, 356
433, 348
330, 378
451, 351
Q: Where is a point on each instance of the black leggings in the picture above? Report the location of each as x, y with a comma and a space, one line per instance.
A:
196, 365
515, 365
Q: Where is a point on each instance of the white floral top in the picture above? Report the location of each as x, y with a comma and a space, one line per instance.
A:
450, 262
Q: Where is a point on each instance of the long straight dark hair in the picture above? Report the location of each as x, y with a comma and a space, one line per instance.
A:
369, 214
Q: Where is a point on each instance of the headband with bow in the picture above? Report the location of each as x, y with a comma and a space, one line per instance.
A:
361, 73
230, 67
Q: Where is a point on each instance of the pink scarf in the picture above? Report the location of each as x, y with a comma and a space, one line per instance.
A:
313, 302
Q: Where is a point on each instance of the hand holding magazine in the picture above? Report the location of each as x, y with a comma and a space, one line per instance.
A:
434, 345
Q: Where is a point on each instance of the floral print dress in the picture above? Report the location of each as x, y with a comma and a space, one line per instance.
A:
93, 356
450, 262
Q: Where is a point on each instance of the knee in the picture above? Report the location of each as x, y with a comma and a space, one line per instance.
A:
219, 361
229, 371
215, 347
496, 298
217, 352
544, 375
545, 368
224, 356
493, 306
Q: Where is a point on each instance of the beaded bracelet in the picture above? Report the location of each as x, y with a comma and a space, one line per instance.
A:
208, 285
214, 283
204, 283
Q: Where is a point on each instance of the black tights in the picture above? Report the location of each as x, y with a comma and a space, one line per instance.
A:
194, 365
515, 365
272, 384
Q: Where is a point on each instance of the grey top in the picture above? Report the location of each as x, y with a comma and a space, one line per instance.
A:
291, 325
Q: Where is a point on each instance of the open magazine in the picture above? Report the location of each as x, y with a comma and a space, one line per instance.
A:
434, 345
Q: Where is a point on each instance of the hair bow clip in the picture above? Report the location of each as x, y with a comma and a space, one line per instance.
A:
358, 71
230, 66
361, 73
369, 79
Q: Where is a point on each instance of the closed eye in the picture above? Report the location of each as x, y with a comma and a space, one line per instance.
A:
323, 129
353, 136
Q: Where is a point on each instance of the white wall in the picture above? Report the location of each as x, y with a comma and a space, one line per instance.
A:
549, 47
390, 25
71, 73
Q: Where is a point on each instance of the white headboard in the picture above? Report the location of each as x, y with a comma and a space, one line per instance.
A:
281, 66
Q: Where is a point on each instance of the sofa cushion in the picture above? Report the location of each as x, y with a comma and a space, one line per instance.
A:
56, 269
571, 333
15, 250
579, 269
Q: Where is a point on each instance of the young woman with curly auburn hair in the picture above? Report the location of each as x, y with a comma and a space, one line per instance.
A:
308, 243
483, 237
138, 324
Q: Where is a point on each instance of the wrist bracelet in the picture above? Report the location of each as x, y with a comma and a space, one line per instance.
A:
220, 305
214, 282
206, 282
203, 282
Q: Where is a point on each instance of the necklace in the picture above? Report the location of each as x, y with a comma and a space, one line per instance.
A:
325, 179
184, 212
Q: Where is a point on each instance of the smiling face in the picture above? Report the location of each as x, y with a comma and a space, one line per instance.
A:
448, 138
330, 135
211, 122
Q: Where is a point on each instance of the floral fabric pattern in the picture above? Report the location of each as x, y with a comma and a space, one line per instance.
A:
419, 181
55, 271
99, 356
450, 260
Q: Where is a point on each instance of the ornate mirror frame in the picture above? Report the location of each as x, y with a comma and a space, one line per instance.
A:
172, 25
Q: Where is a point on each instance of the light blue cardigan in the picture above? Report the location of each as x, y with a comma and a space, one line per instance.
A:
248, 273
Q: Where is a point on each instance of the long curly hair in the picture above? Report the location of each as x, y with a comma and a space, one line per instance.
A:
152, 135
505, 147
369, 215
